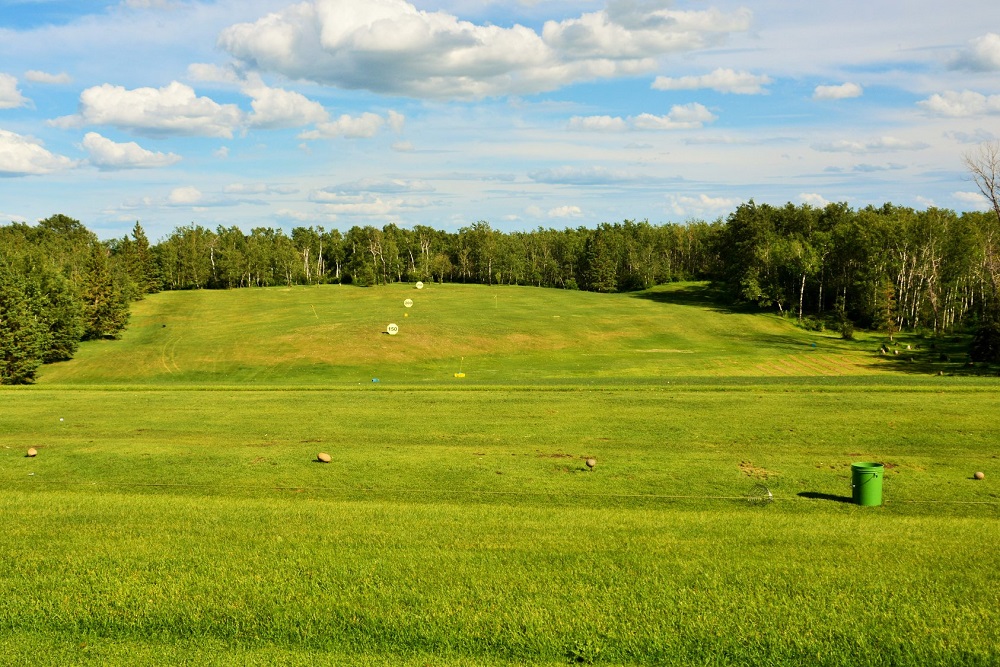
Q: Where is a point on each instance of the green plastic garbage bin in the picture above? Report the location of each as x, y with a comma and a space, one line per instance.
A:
866, 484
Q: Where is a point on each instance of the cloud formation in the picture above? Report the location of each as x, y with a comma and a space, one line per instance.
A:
365, 126
173, 110
982, 55
954, 104
36, 76
24, 156
276, 108
723, 80
842, 92
10, 96
701, 205
391, 47
108, 155
879, 145
681, 117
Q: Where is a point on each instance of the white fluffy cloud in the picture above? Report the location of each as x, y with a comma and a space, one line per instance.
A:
565, 212
174, 109
813, 199
108, 155
598, 123
962, 104
722, 80
389, 46
24, 156
974, 199
842, 92
681, 117
36, 76
185, 196
275, 107
365, 126
10, 96
702, 205
982, 55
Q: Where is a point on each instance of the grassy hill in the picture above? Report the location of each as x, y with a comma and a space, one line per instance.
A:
176, 514
335, 335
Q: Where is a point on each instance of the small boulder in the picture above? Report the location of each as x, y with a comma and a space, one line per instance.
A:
980, 475
32, 452
323, 457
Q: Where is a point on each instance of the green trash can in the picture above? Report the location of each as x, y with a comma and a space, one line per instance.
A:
866, 484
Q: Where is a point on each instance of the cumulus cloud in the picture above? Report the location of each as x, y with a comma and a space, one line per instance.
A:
842, 92
36, 76
185, 196
25, 156
391, 47
565, 212
365, 126
108, 155
880, 145
174, 109
721, 80
973, 199
277, 108
598, 123
10, 96
813, 199
702, 205
681, 117
982, 54
954, 104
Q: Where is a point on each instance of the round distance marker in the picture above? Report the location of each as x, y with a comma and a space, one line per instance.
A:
408, 303
392, 329
420, 285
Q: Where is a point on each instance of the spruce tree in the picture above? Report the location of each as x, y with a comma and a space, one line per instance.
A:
105, 305
21, 334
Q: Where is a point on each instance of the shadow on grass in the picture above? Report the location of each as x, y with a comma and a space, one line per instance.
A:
703, 295
815, 495
920, 355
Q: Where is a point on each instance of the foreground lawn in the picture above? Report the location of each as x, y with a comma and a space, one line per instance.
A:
461, 527
176, 514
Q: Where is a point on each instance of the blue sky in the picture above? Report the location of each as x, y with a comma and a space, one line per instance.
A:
523, 113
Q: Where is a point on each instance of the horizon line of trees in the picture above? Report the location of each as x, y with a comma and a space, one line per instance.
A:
885, 268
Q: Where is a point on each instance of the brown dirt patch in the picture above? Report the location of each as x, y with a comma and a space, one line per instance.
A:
756, 472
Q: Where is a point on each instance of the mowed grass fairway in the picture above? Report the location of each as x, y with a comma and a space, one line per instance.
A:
175, 513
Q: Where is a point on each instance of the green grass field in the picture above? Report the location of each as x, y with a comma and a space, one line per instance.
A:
175, 513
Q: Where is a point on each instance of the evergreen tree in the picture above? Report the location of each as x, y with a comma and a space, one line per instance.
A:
22, 336
105, 306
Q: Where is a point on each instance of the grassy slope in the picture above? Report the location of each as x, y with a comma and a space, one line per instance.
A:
180, 517
332, 335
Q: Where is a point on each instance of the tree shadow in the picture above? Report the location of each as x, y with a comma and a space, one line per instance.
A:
815, 495
702, 295
917, 355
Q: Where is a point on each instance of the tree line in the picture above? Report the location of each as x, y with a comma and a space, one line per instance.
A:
60, 285
885, 268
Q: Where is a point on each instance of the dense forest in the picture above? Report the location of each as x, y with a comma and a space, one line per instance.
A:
885, 268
